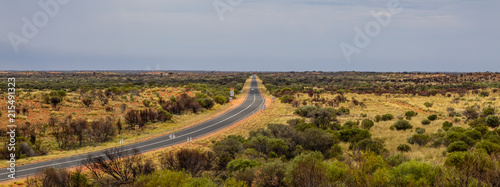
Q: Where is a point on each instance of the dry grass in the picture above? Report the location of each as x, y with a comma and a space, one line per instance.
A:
397, 105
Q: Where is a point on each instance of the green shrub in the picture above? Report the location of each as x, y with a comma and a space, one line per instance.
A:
336, 171
447, 125
354, 135
490, 147
374, 145
410, 114
271, 174
305, 111
350, 124
367, 124
398, 158
287, 98
420, 130
488, 111
219, 99
476, 161
404, 148
426, 122
493, 121
206, 102
477, 122
343, 111
484, 93
457, 146
241, 164
164, 178
421, 139
428, 104
402, 125
414, 173
474, 134
387, 117
432, 117
307, 170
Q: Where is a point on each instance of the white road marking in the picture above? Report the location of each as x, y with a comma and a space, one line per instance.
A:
146, 144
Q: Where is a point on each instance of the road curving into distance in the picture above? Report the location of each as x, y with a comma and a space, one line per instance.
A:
252, 103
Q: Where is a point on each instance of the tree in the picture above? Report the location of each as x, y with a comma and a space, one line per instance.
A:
54, 101
102, 130
78, 128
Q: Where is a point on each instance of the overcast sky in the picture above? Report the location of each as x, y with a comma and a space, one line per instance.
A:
257, 35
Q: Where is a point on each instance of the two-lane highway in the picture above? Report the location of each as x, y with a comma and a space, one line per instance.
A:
252, 103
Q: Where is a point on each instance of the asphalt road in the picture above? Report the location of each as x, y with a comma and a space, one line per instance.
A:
252, 103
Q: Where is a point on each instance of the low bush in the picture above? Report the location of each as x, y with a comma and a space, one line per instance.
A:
402, 125
404, 148
457, 146
447, 125
410, 114
426, 122
420, 130
367, 124
432, 117
492, 121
